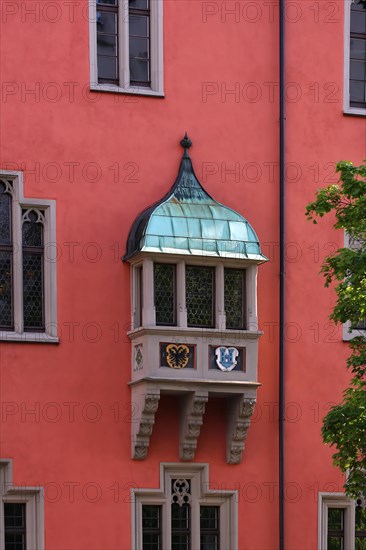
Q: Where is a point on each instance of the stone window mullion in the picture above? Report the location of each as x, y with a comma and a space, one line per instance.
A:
181, 295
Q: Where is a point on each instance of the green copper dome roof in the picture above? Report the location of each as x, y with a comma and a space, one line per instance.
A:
188, 221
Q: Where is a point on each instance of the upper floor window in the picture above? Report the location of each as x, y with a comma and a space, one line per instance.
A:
27, 274
343, 524
355, 57
126, 39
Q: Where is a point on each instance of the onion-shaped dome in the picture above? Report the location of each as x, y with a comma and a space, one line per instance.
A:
188, 221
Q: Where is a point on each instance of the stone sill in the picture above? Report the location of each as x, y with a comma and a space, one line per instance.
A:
191, 331
28, 337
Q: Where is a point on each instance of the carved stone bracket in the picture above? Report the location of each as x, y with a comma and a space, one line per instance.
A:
142, 427
192, 411
239, 414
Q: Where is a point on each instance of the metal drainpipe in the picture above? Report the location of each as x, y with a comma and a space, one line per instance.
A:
282, 283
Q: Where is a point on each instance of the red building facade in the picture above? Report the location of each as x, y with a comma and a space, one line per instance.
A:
98, 451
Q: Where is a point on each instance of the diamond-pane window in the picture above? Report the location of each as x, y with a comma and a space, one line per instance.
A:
234, 298
6, 258
200, 292
165, 294
33, 261
14, 526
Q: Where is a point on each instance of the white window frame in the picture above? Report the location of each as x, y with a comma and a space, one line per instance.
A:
48, 209
156, 51
349, 334
336, 500
32, 497
148, 309
201, 496
347, 109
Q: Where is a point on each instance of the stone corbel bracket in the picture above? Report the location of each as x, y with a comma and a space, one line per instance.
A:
191, 419
146, 405
240, 411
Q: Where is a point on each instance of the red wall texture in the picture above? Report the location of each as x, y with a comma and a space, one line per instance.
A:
104, 158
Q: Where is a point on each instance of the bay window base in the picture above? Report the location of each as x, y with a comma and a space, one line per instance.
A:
240, 398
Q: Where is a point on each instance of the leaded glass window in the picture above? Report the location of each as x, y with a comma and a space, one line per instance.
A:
14, 526
336, 529
6, 257
165, 294
33, 268
151, 527
234, 291
139, 42
357, 81
181, 514
107, 41
200, 296
210, 527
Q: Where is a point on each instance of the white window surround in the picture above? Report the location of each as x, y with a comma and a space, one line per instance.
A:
201, 495
335, 500
48, 208
148, 309
156, 52
33, 497
347, 109
348, 334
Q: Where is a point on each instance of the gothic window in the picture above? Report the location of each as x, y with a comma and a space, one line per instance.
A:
27, 264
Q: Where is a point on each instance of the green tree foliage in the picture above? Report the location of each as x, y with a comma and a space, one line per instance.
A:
344, 427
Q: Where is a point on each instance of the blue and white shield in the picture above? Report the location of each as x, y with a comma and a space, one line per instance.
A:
226, 358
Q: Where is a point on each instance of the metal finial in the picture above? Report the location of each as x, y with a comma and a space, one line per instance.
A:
186, 143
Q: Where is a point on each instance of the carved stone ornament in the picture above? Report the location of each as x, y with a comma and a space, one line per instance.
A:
181, 494
193, 408
143, 426
239, 415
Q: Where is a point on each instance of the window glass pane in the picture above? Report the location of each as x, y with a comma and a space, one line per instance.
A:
180, 542
6, 294
5, 216
180, 516
14, 526
335, 518
107, 67
139, 25
151, 527
33, 291
209, 542
357, 90
107, 45
234, 298
139, 47
200, 296
358, 49
358, 19
358, 70
165, 294
335, 543
108, 2
360, 520
106, 22
139, 4
139, 70
360, 543
32, 231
